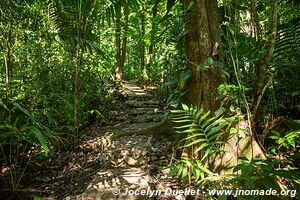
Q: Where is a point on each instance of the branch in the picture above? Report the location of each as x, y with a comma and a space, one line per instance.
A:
261, 95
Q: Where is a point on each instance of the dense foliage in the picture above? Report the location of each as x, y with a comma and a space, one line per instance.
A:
60, 61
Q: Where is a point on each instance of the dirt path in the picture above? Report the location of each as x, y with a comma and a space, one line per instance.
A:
102, 165
134, 162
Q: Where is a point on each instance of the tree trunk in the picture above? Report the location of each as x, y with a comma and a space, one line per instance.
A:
76, 88
151, 53
203, 33
262, 65
154, 14
7, 57
255, 20
119, 70
201, 43
142, 44
124, 42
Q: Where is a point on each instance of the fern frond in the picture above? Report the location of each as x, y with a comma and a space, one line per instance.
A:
201, 130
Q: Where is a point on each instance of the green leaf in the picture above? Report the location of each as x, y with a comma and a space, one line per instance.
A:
181, 118
206, 122
199, 113
40, 137
196, 172
191, 130
233, 131
230, 120
212, 125
186, 126
184, 172
38, 198
292, 175
242, 133
185, 75
193, 135
28, 114
195, 142
3, 105
251, 181
295, 93
191, 5
215, 130
185, 107
202, 119
238, 167
269, 182
179, 172
232, 108
222, 197
220, 111
201, 147
207, 152
213, 137
202, 67
178, 111
210, 61
182, 121
173, 171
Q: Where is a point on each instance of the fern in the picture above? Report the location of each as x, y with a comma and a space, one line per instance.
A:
288, 41
201, 131
203, 137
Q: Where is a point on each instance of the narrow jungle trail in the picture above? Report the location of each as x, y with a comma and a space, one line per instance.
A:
129, 161
104, 165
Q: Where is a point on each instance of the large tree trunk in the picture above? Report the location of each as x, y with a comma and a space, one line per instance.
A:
203, 34
201, 43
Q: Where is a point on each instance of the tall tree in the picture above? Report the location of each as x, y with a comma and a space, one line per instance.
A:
202, 42
121, 42
142, 42
6, 30
262, 65
202, 46
73, 20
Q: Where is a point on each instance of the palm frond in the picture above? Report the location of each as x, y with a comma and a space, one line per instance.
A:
288, 41
200, 129
73, 23
203, 136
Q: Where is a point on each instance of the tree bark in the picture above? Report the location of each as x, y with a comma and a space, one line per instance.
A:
124, 41
255, 20
203, 33
201, 42
154, 14
121, 44
7, 40
142, 44
263, 64
76, 88
119, 70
